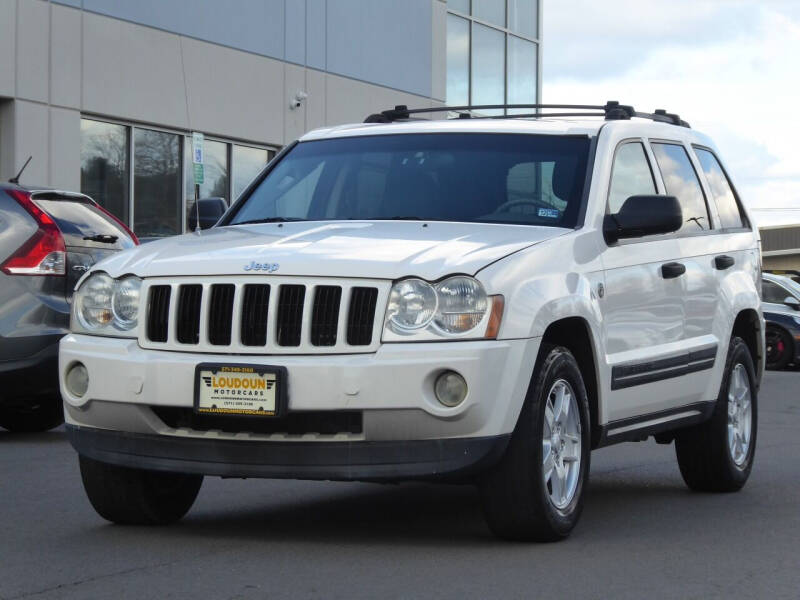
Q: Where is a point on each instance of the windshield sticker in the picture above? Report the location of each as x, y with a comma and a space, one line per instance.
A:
550, 213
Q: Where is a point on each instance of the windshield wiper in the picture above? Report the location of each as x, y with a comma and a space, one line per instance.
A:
270, 220
103, 238
399, 218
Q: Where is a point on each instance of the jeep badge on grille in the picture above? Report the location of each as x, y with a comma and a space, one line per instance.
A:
267, 267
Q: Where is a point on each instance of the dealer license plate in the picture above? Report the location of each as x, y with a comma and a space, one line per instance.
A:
243, 390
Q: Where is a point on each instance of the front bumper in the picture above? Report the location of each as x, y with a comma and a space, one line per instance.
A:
390, 390
341, 461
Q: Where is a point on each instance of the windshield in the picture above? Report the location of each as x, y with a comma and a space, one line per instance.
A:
491, 178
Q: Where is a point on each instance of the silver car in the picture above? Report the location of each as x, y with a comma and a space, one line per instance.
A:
48, 239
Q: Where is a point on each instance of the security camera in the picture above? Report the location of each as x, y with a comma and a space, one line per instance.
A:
297, 100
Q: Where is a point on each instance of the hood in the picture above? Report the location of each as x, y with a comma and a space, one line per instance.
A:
371, 249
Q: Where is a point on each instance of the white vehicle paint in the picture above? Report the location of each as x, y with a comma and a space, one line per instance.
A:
653, 357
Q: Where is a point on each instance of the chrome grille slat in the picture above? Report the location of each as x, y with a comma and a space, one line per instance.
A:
266, 315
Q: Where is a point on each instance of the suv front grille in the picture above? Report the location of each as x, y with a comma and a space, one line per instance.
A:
290, 314
220, 314
325, 316
255, 312
188, 325
362, 311
279, 317
158, 313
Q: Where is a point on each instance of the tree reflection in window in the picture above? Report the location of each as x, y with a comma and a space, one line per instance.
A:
156, 183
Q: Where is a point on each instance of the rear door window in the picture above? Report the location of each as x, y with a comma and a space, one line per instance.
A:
680, 180
721, 189
630, 176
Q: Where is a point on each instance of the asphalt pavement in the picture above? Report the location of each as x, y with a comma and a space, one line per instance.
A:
642, 534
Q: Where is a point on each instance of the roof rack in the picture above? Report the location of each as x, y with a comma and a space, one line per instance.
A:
610, 111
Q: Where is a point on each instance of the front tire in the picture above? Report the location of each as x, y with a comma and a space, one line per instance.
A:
135, 496
535, 493
717, 456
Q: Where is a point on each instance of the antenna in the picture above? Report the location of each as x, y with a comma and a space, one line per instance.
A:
15, 179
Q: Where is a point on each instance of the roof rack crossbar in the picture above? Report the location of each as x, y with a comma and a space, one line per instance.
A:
611, 111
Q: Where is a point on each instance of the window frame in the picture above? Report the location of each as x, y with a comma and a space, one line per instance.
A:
472, 20
620, 144
746, 222
131, 126
779, 285
580, 215
712, 216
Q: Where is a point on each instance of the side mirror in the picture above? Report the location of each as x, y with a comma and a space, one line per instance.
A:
792, 302
210, 209
643, 215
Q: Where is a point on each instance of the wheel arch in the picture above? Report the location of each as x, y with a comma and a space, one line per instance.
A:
748, 326
575, 334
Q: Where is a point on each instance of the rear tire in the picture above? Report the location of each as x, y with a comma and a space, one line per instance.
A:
39, 414
779, 348
535, 493
717, 456
137, 497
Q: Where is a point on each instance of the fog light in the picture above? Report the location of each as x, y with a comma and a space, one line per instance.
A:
77, 380
450, 388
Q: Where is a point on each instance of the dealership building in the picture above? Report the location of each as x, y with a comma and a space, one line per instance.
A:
105, 94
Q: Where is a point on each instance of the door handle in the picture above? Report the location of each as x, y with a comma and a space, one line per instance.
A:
723, 262
672, 270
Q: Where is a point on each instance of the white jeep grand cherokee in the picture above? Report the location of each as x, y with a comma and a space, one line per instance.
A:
470, 300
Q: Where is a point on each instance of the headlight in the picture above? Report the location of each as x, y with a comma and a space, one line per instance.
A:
94, 301
125, 302
454, 308
412, 304
106, 306
462, 304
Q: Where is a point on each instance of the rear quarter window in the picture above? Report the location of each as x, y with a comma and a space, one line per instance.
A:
730, 213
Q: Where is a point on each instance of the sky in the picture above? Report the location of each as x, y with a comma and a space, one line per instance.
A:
729, 67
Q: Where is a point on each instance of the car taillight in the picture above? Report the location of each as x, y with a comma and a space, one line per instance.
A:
44, 253
119, 222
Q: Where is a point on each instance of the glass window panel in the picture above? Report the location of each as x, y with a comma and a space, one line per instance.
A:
247, 163
721, 189
459, 5
156, 183
491, 11
457, 61
521, 73
773, 293
630, 176
105, 165
488, 66
498, 178
215, 173
681, 181
522, 16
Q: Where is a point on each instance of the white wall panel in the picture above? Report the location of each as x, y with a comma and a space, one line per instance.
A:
33, 61
8, 44
132, 72
65, 56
